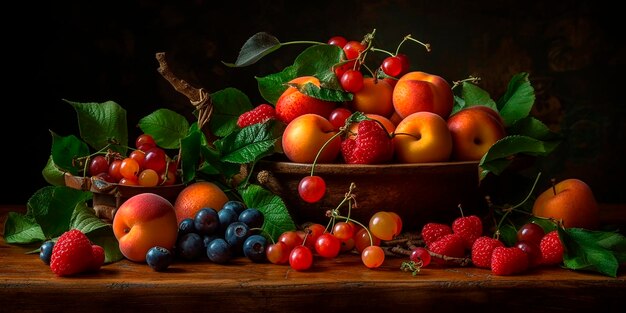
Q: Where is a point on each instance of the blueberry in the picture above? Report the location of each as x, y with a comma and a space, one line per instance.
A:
159, 258
254, 248
236, 233
186, 226
234, 205
252, 217
208, 238
219, 251
190, 246
45, 251
207, 221
227, 217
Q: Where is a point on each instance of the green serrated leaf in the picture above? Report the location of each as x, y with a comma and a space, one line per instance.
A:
255, 48
325, 94
53, 174
474, 95
315, 61
166, 127
499, 155
459, 104
277, 218
248, 144
52, 208
65, 150
228, 104
22, 229
190, 154
532, 127
592, 250
518, 99
98, 232
102, 123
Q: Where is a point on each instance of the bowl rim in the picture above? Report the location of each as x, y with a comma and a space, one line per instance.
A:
394, 167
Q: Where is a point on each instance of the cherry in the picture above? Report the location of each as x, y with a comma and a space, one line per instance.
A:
352, 49
530, 232
315, 230
383, 225
338, 117
277, 253
338, 41
373, 256
420, 254
312, 188
352, 81
291, 238
392, 66
144, 141
129, 168
343, 230
327, 245
98, 165
300, 258
405, 63
155, 159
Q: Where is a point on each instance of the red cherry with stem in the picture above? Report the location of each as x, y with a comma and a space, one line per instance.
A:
97, 165
301, 258
530, 232
327, 245
145, 140
420, 256
338, 117
392, 66
338, 41
277, 253
352, 49
352, 81
406, 65
343, 230
373, 256
312, 188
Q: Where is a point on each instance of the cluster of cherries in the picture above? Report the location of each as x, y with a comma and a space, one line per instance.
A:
148, 165
349, 73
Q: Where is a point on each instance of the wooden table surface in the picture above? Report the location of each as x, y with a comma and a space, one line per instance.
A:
338, 285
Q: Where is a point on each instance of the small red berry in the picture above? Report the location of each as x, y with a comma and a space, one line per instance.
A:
551, 249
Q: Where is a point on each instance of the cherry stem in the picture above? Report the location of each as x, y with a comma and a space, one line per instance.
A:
302, 42
409, 37
341, 131
470, 79
553, 181
513, 208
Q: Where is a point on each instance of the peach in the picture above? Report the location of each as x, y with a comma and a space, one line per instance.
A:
571, 201
420, 91
375, 98
305, 136
474, 130
142, 222
422, 137
292, 103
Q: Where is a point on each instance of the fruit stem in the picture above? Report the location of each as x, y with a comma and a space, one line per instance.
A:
471, 79
553, 181
409, 37
302, 42
513, 208
319, 152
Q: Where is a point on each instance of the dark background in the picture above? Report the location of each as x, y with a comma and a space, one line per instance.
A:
95, 51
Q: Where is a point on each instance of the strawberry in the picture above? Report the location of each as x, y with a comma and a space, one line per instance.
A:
98, 257
259, 114
508, 261
72, 254
469, 228
372, 145
451, 245
433, 231
482, 250
551, 249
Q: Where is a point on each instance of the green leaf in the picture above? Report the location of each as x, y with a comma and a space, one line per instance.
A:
592, 250
317, 61
22, 229
249, 144
499, 155
326, 94
459, 104
190, 154
213, 165
99, 232
474, 95
65, 150
228, 104
277, 218
255, 48
518, 99
53, 174
166, 127
532, 127
52, 208
102, 123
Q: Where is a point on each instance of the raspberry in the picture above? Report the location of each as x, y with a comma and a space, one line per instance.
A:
72, 254
508, 261
551, 249
259, 114
98, 257
469, 228
433, 231
482, 250
372, 145
451, 245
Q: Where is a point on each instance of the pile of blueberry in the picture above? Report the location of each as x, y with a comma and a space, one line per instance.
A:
218, 236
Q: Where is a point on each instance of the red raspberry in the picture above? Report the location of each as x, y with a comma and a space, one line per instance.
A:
482, 249
98, 257
469, 228
72, 254
372, 145
551, 249
259, 114
449, 245
508, 261
433, 231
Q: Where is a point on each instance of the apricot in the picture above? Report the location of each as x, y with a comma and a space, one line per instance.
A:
422, 137
305, 136
420, 91
375, 98
292, 103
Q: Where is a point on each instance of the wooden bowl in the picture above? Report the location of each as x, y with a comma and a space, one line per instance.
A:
419, 193
107, 197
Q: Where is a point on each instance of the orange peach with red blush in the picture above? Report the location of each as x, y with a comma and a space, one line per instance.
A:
420, 91
142, 222
374, 98
306, 135
422, 137
292, 103
474, 130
